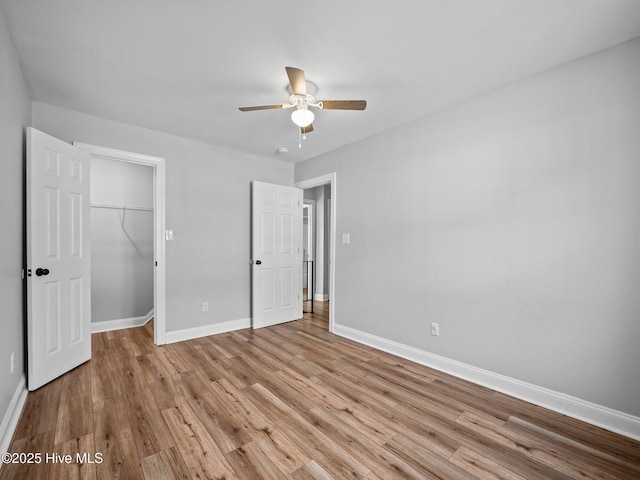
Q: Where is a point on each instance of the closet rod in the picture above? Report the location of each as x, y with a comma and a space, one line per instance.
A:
122, 207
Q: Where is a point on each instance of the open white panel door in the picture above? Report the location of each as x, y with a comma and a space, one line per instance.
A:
277, 254
58, 258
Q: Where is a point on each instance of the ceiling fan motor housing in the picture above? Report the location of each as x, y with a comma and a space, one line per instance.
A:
303, 101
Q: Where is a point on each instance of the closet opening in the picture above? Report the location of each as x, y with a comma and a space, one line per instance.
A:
127, 241
122, 257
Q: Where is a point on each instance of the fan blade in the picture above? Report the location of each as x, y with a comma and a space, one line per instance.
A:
344, 104
261, 107
297, 81
307, 129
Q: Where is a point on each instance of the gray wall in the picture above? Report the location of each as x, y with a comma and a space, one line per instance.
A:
207, 207
513, 220
15, 114
121, 240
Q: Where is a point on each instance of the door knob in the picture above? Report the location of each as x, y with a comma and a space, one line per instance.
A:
42, 271
258, 262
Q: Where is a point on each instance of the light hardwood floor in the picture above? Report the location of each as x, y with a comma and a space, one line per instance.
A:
294, 402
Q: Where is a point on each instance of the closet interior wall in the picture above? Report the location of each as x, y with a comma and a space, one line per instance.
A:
121, 241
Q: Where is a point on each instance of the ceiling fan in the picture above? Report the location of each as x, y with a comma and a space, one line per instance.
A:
302, 97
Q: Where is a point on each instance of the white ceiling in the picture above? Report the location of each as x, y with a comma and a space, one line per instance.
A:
184, 67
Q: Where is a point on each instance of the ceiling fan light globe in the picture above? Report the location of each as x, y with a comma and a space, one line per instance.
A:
302, 117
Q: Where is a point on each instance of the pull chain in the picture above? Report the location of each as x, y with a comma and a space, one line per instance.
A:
301, 136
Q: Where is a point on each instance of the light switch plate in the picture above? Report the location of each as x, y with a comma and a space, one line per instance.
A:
346, 238
435, 329
169, 235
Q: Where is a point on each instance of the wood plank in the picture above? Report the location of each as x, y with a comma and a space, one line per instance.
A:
273, 350
75, 414
165, 465
238, 372
621, 467
40, 412
326, 399
375, 457
482, 467
423, 459
199, 451
206, 363
156, 467
322, 449
222, 428
140, 341
175, 365
285, 454
150, 432
114, 439
165, 390
311, 471
530, 447
250, 462
104, 377
81, 468
353, 391
226, 345
452, 435
571, 429
40, 442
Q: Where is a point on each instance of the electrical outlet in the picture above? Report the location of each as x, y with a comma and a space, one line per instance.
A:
205, 306
13, 361
435, 329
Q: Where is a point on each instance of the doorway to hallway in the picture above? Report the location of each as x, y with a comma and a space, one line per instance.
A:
321, 192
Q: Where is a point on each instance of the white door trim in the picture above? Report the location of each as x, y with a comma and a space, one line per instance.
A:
159, 276
328, 179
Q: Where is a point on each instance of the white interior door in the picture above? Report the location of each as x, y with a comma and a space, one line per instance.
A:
277, 254
58, 258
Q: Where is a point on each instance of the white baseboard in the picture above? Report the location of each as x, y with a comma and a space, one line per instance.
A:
583, 410
206, 330
320, 297
12, 415
119, 324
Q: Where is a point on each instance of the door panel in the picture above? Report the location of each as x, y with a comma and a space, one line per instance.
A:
58, 258
276, 252
52, 317
77, 316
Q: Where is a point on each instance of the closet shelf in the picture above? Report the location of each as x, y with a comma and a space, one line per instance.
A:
124, 209
121, 207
